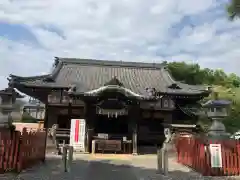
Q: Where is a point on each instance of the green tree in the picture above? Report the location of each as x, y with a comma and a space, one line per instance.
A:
179, 70
209, 76
220, 77
233, 80
233, 9
193, 74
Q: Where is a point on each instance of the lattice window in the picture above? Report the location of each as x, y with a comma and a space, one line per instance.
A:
54, 97
172, 104
165, 103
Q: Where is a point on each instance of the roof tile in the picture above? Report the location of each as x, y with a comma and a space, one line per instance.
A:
91, 74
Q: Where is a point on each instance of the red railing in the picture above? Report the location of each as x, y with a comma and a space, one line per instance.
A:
193, 153
21, 150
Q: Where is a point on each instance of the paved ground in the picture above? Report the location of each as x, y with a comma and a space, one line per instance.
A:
106, 167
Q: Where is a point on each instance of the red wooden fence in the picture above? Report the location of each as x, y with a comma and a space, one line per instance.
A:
21, 150
193, 153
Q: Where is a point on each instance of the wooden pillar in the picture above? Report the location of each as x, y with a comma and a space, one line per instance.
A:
167, 119
46, 129
46, 119
87, 138
89, 117
69, 113
135, 117
134, 139
69, 118
86, 116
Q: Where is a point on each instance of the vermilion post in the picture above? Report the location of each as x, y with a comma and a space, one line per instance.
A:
13, 142
16, 151
6, 151
238, 156
2, 137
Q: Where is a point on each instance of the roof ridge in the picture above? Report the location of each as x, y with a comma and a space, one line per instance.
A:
111, 63
28, 77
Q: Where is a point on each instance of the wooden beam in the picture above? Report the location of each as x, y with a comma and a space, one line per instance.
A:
134, 139
46, 116
134, 118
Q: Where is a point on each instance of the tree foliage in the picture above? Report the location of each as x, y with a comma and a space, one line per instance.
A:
232, 122
26, 118
233, 9
193, 74
227, 85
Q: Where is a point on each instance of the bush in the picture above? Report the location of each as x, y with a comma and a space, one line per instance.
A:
28, 119
232, 122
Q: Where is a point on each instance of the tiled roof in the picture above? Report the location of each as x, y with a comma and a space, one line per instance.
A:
9, 91
34, 105
88, 75
220, 102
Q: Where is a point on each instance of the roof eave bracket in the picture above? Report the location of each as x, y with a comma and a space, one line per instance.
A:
174, 86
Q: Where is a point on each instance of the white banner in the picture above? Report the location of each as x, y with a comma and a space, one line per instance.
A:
77, 134
216, 155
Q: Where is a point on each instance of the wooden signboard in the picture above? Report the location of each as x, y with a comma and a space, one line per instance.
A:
216, 155
109, 145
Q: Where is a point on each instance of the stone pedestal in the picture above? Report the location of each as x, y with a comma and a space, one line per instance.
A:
3, 120
217, 131
5, 116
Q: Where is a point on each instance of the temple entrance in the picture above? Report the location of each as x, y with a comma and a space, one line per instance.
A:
64, 121
112, 117
112, 134
111, 125
151, 132
150, 135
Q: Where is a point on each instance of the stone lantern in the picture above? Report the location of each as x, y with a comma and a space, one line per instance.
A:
7, 99
217, 110
217, 131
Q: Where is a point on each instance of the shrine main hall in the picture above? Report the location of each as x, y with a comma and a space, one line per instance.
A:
126, 100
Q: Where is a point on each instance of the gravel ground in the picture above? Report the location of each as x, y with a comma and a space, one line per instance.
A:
107, 167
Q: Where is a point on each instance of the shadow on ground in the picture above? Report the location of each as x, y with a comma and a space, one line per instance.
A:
152, 150
97, 169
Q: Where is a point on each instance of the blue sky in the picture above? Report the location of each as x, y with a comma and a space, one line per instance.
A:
33, 32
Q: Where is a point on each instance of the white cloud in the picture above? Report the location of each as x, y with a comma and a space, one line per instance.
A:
191, 8
137, 30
